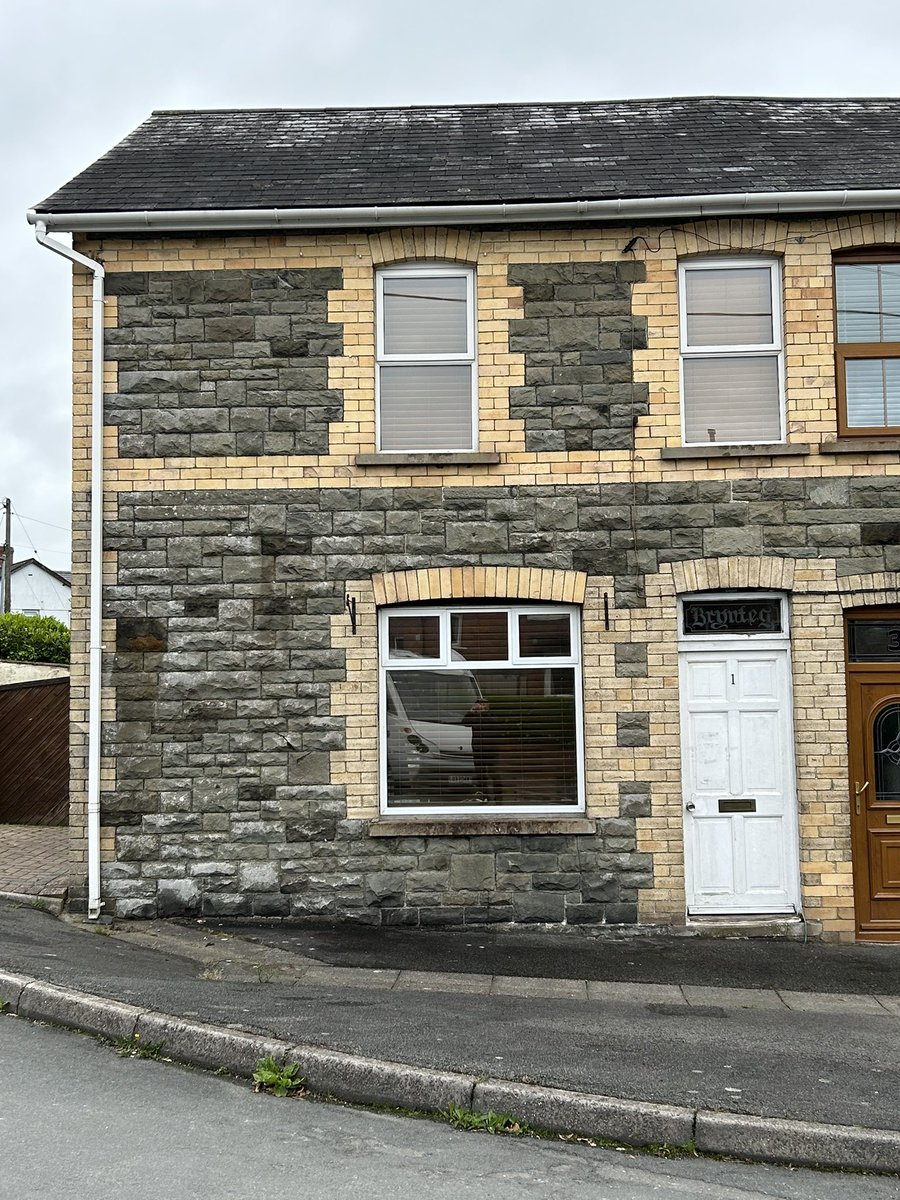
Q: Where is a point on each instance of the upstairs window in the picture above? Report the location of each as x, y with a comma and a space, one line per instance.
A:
867, 302
425, 345
731, 351
481, 710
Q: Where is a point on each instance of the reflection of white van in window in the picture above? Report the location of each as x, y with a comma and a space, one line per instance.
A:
427, 744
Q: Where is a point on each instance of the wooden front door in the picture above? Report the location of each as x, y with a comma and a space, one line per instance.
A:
874, 716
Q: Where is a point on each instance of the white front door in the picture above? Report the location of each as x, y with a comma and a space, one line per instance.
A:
740, 821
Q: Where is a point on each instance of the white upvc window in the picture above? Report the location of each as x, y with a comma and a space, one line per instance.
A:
481, 709
425, 349
732, 372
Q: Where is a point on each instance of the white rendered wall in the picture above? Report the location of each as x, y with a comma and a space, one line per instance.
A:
38, 592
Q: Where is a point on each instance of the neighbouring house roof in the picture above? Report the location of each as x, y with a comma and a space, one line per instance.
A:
64, 577
490, 154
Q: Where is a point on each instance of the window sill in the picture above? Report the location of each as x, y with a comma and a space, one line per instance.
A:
861, 445
754, 450
474, 826
427, 458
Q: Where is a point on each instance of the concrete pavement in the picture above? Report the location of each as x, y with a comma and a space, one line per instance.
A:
777, 1073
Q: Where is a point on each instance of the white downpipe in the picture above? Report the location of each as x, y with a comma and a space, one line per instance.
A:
95, 585
636, 209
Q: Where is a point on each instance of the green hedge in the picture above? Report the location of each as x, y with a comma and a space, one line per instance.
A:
33, 639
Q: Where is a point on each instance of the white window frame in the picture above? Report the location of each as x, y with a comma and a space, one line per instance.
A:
755, 350
447, 663
469, 358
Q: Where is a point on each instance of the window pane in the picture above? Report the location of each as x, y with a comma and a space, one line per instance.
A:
732, 399
545, 635
414, 637
886, 738
873, 391
868, 302
425, 314
503, 737
426, 407
481, 636
729, 306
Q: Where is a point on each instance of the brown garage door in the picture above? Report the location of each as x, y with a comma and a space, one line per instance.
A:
34, 753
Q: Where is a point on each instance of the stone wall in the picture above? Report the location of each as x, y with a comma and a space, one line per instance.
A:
578, 336
223, 675
222, 363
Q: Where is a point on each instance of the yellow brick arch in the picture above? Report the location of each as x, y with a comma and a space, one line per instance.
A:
425, 244
727, 574
479, 583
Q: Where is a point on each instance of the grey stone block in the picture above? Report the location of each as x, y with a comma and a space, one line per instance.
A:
634, 1122
209, 1046
11, 988
472, 872
178, 898
633, 729
798, 1142
539, 907
78, 1010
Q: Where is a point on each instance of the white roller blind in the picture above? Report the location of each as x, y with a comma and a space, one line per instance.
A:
425, 314
738, 398
426, 407
729, 306
873, 392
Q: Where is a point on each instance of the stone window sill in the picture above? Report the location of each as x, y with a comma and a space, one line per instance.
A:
473, 826
714, 450
861, 445
429, 458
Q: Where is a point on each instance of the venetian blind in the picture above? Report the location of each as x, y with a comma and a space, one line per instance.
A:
426, 402
732, 399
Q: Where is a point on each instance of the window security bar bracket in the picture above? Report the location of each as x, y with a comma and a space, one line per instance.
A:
350, 602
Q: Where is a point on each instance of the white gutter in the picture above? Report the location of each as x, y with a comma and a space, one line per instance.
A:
389, 216
95, 585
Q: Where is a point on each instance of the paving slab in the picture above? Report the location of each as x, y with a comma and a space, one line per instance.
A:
516, 985
738, 997
635, 993
817, 1002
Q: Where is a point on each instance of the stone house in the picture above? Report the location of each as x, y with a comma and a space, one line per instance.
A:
495, 512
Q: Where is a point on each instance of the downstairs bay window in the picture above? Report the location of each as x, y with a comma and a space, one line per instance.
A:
480, 710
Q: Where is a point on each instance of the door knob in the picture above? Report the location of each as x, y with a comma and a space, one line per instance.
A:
690, 806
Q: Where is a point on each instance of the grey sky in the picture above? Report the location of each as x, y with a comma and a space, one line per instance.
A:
78, 76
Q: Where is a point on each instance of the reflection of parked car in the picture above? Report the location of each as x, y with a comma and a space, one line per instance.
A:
427, 743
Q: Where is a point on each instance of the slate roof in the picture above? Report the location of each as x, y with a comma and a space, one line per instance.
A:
490, 153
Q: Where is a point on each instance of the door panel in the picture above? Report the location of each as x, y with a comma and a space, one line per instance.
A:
764, 844
760, 746
873, 694
715, 860
740, 818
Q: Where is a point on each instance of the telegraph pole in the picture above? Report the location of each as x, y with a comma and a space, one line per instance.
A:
7, 555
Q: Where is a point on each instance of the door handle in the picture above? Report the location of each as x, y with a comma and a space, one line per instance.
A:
690, 806
859, 792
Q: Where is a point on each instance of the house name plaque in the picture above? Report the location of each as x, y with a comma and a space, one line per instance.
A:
732, 616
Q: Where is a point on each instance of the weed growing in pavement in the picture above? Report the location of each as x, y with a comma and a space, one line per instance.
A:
2, 1005
278, 1078
133, 1047
489, 1122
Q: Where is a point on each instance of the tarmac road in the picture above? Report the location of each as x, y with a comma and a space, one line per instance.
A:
88, 1125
